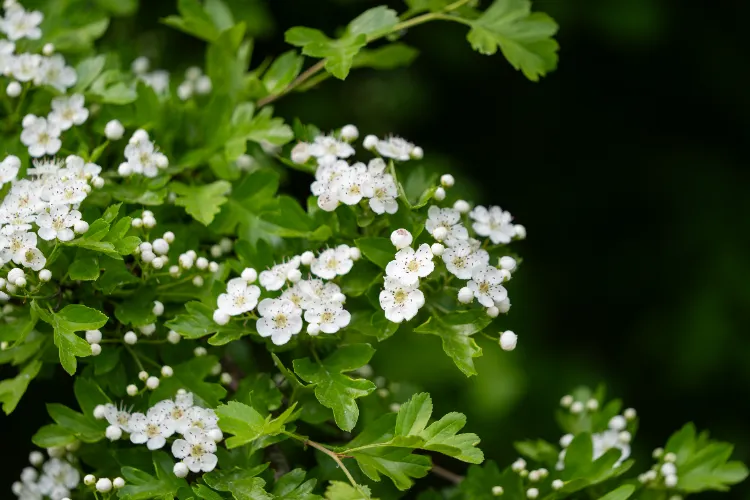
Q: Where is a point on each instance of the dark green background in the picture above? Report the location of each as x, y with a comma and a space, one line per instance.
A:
628, 168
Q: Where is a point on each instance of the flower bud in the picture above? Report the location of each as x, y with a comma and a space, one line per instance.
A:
508, 263
96, 349
166, 371
520, 231
113, 432
439, 194
307, 258
118, 482
89, 479
152, 383
370, 142
437, 249
440, 233
465, 295
13, 89
103, 485
249, 275
313, 328
493, 312
461, 206
349, 133
401, 238
300, 152
180, 469
130, 338
417, 153
45, 275
221, 318
447, 180
508, 340
114, 130
173, 337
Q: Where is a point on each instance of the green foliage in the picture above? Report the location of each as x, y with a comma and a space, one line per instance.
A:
247, 424
455, 332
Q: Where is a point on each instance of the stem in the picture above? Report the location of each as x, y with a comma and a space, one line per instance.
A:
317, 67
135, 356
332, 454
446, 474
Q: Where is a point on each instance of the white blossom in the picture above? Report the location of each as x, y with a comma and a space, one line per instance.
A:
382, 192
330, 318
9, 169
396, 148
409, 265
461, 259
327, 149
68, 111
332, 262
400, 302
54, 72
448, 219
280, 319
486, 285
19, 23
494, 223
196, 451
239, 298
56, 223
41, 137
153, 428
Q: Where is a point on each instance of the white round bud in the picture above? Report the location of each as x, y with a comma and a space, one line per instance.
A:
216, 369
149, 222
148, 256
417, 153
313, 328
185, 91
465, 295
294, 275
518, 465
462, 206
566, 401
245, 161
201, 263
158, 308
130, 338
103, 485
124, 170
89, 479
505, 275
447, 180
13, 89
401, 238
439, 233
557, 484
576, 407
592, 404
81, 226
118, 482
100, 411
213, 266
185, 261
338, 298
508, 340
566, 440
152, 383
198, 281
96, 349
180, 469
220, 317
508, 263
355, 253
225, 378
226, 245
617, 423
131, 389
137, 222
249, 274
147, 330
166, 371
142, 375
668, 469
20, 282
216, 251
439, 194
114, 130
670, 481
534, 476
625, 437
437, 249
36, 458
48, 49
45, 275
520, 231
370, 142
493, 312
657, 453
307, 258
497, 490
15, 274
200, 351
173, 337
140, 65
349, 133
629, 414
532, 492
503, 306
56, 451
160, 246
203, 85
215, 435
168, 237
97, 182
113, 433
93, 336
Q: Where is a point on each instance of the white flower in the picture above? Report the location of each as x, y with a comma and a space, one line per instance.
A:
13, 245
32, 258
461, 259
410, 265
396, 148
57, 223
58, 478
157, 80
117, 417
486, 285
9, 169
328, 149
196, 450
332, 262
274, 278
68, 111
54, 72
202, 418
280, 319
329, 318
296, 296
143, 158
450, 220
25, 67
177, 411
400, 302
240, 298
494, 223
41, 137
7, 57
153, 428
19, 23
382, 192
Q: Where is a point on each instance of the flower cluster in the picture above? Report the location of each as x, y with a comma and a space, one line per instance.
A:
665, 470
157, 79
47, 199
195, 83
401, 297
336, 181
319, 300
142, 157
197, 426
54, 478
42, 135
533, 476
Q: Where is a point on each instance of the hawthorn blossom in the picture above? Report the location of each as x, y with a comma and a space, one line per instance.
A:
327, 149
143, 157
117, 417
409, 265
13, 245
351, 186
58, 478
273, 279
399, 301
382, 192
396, 148
40, 136
177, 411
461, 259
280, 319
329, 318
19, 23
68, 111
25, 67
495, 223
9, 168
57, 223
196, 450
332, 262
486, 285
448, 222
202, 418
239, 298
153, 428
54, 72
32, 258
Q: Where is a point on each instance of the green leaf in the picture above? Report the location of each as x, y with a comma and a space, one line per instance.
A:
579, 455
226, 64
89, 395
193, 20
414, 415
455, 331
190, 376
225, 480
339, 54
338, 490
374, 22
72, 318
427, 5
119, 7
198, 322
201, 202
205, 493
335, 390
138, 309
84, 427
13, 389
379, 251
143, 486
292, 486
622, 493
525, 38
53, 435
479, 482
84, 269
538, 450
284, 69
87, 71
114, 277
247, 424
394, 55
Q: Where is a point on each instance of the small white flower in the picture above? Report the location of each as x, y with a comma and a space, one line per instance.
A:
196, 451
328, 149
177, 411
239, 298
25, 67
56, 223
53, 72
153, 428
273, 279
351, 185
349, 133
410, 265
486, 285
41, 137
68, 111
332, 262
117, 417
494, 223
382, 192
330, 318
280, 319
461, 259
400, 302
448, 219
19, 24
33, 258
9, 169
396, 148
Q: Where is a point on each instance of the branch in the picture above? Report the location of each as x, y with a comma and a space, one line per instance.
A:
446, 474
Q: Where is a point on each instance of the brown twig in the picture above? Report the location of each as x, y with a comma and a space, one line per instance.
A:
446, 474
